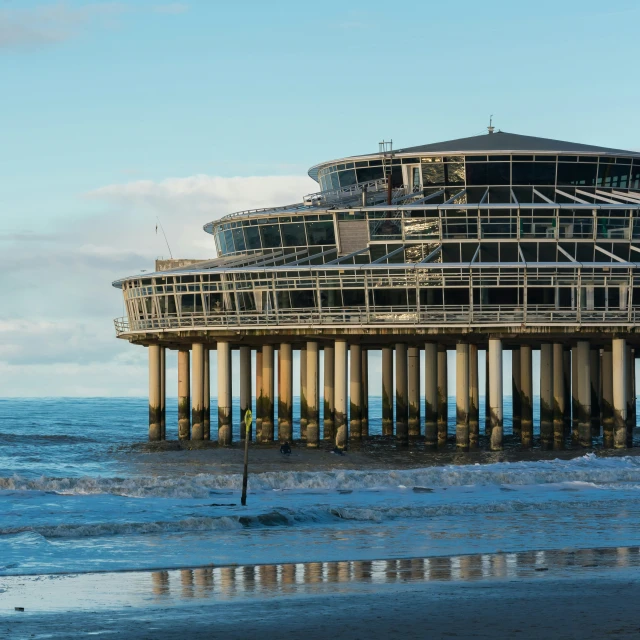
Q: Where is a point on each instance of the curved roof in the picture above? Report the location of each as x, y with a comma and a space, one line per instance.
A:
498, 142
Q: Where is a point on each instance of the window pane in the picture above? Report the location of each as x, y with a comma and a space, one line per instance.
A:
369, 173
252, 236
613, 175
229, 240
293, 235
238, 240
270, 236
320, 233
577, 174
347, 178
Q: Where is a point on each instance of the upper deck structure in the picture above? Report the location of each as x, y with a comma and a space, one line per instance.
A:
498, 240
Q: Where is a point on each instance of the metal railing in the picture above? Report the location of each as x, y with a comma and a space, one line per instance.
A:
459, 315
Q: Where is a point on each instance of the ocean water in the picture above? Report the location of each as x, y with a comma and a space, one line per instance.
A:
79, 492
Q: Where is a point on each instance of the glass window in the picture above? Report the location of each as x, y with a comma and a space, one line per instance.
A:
321, 233
293, 235
488, 173
635, 176
270, 236
222, 243
613, 175
454, 173
347, 178
577, 174
335, 184
534, 173
433, 174
369, 173
476, 158
252, 237
238, 240
229, 241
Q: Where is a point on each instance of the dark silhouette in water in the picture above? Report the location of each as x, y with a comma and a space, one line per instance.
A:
285, 449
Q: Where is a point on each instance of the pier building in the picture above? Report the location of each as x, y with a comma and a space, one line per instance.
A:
498, 242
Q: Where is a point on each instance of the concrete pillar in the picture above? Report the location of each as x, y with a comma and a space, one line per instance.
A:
474, 398
606, 372
594, 384
631, 395
206, 407
431, 394
495, 393
546, 395
303, 393
387, 391
462, 396
516, 394
184, 395
558, 395
313, 405
619, 366
574, 395
413, 391
340, 394
402, 392
443, 397
163, 393
155, 393
365, 393
285, 393
268, 394
355, 392
197, 391
225, 431
584, 394
567, 391
526, 396
259, 394
329, 406
245, 388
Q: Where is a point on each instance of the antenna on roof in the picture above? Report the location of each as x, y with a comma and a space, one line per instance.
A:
491, 128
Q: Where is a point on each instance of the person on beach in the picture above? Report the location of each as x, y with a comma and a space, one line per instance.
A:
285, 449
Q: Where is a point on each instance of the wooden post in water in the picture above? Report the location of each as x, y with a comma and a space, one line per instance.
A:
248, 418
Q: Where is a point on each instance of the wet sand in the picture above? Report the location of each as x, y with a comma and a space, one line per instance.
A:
585, 593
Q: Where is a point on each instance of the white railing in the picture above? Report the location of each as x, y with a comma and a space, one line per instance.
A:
401, 316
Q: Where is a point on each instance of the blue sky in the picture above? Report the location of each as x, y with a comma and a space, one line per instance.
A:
114, 113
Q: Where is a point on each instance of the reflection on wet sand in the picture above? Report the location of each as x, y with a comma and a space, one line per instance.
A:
280, 579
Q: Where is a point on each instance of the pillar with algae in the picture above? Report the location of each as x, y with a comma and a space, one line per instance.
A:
443, 397
197, 391
413, 366
462, 396
163, 393
584, 394
431, 395
225, 433
313, 407
303, 392
285, 393
355, 392
402, 405
558, 395
268, 409
594, 385
155, 393
259, 394
341, 394
364, 403
631, 394
606, 371
206, 407
516, 392
574, 395
567, 391
245, 390
619, 366
184, 395
328, 399
495, 393
546, 395
474, 398
387, 391
526, 396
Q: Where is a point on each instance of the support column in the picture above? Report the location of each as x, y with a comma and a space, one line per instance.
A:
387, 391
340, 392
259, 395
631, 395
462, 396
184, 395
584, 394
402, 392
365, 393
206, 407
285, 393
163, 393
619, 355
155, 393
546, 395
197, 391
606, 372
245, 389
474, 398
487, 403
558, 395
443, 397
495, 393
574, 395
225, 431
526, 396
268, 414
431, 395
516, 389
303, 393
313, 409
594, 384
413, 392
329, 377
567, 392
355, 393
